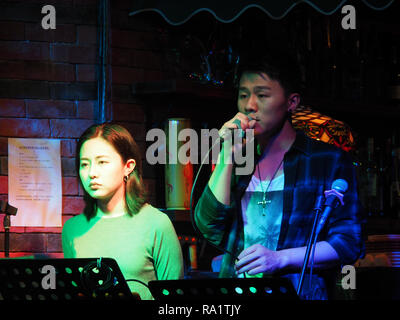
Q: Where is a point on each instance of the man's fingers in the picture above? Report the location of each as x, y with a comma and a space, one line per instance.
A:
246, 251
245, 260
251, 124
256, 269
247, 265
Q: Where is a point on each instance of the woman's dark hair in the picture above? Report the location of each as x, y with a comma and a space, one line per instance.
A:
279, 66
125, 145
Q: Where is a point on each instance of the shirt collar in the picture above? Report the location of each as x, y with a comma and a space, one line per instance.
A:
301, 143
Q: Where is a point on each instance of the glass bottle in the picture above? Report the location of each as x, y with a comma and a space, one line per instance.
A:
372, 178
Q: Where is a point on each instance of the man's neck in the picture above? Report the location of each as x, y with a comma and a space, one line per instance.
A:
280, 142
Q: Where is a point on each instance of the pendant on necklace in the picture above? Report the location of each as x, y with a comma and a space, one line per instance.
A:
263, 203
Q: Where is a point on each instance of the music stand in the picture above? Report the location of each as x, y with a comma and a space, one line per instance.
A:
223, 289
75, 280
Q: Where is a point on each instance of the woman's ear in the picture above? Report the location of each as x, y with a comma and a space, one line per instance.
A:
130, 166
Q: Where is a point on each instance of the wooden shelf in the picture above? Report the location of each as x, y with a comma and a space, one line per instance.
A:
376, 225
181, 87
370, 108
206, 91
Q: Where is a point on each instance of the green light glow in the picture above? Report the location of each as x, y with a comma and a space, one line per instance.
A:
239, 290
165, 292
224, 290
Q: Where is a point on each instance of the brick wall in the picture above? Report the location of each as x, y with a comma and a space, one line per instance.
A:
135, 56
48, 89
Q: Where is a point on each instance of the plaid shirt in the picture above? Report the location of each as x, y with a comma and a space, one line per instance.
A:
310, 167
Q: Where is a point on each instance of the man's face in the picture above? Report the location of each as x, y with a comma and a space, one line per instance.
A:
264, 99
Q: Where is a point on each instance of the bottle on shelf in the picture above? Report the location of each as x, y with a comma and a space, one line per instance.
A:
394, 200
394, 76
384, 180
372, 206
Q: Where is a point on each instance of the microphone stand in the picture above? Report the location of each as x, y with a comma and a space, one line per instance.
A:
6, 224
9, 211
317, 210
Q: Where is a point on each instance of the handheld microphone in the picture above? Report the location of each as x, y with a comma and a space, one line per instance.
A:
227, 132
333, 198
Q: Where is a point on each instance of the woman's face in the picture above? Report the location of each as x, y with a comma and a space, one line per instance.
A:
102, 169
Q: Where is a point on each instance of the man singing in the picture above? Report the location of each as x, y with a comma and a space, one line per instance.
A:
263, 220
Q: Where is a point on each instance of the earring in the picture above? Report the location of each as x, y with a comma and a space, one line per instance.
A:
126, 178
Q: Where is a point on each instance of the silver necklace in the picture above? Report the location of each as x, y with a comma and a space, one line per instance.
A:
264, 201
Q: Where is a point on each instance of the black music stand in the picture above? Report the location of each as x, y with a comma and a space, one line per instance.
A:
78, 279
223, 289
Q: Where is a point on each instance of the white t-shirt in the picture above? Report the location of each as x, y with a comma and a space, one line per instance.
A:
263, 225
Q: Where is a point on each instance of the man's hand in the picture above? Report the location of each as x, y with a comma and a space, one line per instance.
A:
257, 258
239, 121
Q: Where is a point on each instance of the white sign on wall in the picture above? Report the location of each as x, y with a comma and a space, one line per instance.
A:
34, 182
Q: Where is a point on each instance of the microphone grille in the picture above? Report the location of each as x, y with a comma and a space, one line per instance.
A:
340, 185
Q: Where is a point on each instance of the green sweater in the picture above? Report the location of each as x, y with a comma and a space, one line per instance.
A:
145, 246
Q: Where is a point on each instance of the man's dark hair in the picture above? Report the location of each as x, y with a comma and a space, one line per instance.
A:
279, 66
